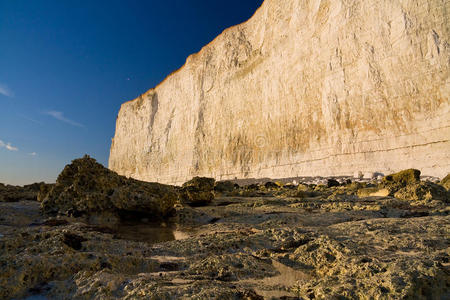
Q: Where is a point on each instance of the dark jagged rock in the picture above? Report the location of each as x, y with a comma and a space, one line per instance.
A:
11, 193
224, 186
406, 185
198, 191
332, 182
422, 191
403, 177
251, 190
304, 191
86, 187
44, 189
74, 241
250, 295
201, 183
55, 222
34, 187
270, 185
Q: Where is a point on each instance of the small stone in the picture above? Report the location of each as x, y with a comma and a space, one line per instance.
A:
270, 185
358, 175
169, 266
445, 182
332, 182
373, 192
73, 241
369, 175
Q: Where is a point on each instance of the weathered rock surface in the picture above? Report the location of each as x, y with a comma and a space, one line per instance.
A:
44, 189
404, 177
446, 182
406, 185
328, 243
11, 193
314, 87
225, 186
197, 191
86, 187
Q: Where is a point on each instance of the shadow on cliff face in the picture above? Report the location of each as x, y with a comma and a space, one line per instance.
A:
154, 109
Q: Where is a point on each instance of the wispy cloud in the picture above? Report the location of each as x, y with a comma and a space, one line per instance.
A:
5, 91
32, 154
8, 146
30, 119
59, 115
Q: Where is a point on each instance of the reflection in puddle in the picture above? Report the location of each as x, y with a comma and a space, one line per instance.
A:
149, 232
35, 297
181, 235
145, 232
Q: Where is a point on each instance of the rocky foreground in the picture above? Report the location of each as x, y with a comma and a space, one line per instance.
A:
98, 235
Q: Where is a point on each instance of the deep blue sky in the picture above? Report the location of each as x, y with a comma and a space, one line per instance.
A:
66, 66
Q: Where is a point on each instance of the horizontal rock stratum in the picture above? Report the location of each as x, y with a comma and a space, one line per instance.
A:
302, 88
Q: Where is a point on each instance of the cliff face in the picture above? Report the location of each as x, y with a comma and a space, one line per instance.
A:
318, 87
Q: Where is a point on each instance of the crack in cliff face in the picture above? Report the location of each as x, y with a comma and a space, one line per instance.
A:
169, 124
154, 109
199, 135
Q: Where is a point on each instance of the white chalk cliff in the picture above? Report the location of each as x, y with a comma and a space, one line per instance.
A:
305, 87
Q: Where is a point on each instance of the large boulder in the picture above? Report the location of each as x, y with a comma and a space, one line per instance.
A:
198, 191
85, 187
403, 177
406, 185
422, 191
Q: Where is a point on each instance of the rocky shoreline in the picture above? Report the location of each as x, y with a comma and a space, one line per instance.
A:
98, 235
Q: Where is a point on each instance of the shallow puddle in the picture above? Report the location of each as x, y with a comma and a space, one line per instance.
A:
149, 232
35, 297
145, 232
